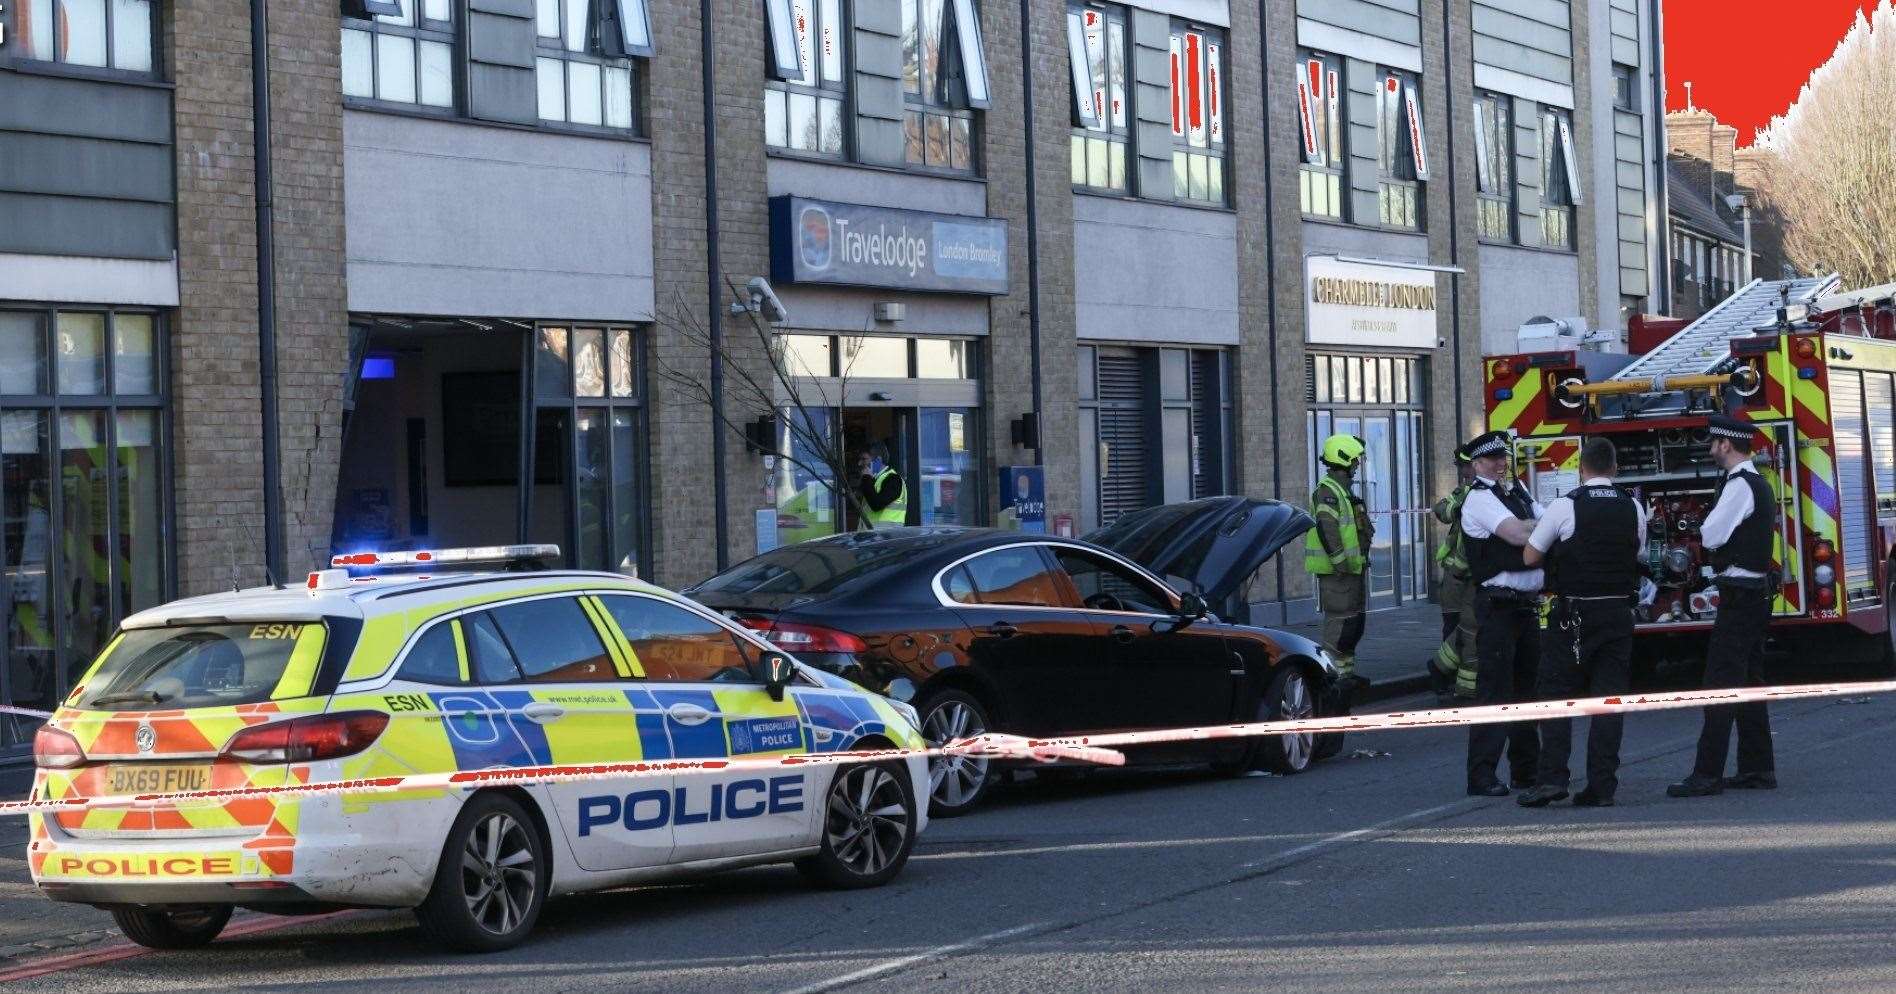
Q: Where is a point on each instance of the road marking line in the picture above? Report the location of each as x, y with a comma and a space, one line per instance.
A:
922, 957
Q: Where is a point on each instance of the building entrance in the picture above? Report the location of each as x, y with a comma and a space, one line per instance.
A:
1379, 400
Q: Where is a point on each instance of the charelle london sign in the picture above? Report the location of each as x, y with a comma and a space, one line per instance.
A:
819, 241
1355, 303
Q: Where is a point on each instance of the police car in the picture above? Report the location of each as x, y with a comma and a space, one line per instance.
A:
381, 674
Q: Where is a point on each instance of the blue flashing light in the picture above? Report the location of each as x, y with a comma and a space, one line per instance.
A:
1504, 394
378, 367
1807, 373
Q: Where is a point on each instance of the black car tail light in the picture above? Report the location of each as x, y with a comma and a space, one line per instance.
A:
813, 638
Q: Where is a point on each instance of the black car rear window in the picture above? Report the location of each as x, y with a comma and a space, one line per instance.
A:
808, 568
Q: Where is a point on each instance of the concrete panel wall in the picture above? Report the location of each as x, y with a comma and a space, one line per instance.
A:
1184, 287
456, 219
1521, 283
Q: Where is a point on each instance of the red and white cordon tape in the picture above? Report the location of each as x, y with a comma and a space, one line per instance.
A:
1101, 749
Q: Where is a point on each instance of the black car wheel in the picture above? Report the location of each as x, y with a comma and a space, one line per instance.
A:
492, 881
175, 926
868, 827
1287, 699
955, 783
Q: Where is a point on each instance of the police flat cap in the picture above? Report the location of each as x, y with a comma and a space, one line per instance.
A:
1725, 426
1493, 443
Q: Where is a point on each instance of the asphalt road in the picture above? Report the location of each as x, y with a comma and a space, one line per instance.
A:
1366, 873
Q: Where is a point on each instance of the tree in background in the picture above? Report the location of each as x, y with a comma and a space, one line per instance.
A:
1831, 170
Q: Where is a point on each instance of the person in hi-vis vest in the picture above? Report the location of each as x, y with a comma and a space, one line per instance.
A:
1336, 552
881, 490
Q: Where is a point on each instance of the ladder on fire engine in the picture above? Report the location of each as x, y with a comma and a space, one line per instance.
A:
1699, 347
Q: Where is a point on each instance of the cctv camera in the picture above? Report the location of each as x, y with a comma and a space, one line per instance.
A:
764, 299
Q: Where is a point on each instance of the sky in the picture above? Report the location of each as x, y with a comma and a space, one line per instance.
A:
1746, 59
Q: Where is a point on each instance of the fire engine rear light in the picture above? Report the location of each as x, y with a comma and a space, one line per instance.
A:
1826, 597
1504, 394
814, 638
1824, 575
304, 740
1807, 373
1806, 348
1822, 551
56, 750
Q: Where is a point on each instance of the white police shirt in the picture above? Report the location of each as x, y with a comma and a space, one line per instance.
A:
1733, 507
1557, 524
1482, 513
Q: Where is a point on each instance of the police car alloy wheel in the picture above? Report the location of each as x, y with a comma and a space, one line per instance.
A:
492, 881
955, 783
171, 926
1288, 698
868, 827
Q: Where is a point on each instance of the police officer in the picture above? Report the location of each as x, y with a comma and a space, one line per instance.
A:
1591, 540
1336, 552
1452, 668
1739, 532
884, 496
1497, 521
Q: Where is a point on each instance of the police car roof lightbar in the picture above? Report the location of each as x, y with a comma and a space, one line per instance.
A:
444, 558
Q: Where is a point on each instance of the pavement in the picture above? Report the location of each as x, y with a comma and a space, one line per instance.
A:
1371, 871
1396, 644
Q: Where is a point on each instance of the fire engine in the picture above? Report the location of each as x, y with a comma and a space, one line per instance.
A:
1815, 370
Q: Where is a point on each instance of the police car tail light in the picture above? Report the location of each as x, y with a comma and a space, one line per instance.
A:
304, 740
813, 638
56, 750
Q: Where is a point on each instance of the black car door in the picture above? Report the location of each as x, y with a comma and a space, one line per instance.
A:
1161, 674
1029, 639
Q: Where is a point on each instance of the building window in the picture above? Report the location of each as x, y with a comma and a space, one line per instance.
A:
403, 57
1560, 178
1494, 166
1625, 88
1402, 150
84, 530
99, 34
1320, 114
588, 413
1198, 99
944, 79
1096, 53
803, 101
581, 61
1155, 428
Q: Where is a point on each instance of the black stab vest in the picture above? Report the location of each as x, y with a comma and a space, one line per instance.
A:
1602, 557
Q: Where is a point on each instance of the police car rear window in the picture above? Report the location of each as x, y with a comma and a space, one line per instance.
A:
198, 666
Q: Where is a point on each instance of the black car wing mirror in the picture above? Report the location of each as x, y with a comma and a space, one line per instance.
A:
779, 672
1192, 607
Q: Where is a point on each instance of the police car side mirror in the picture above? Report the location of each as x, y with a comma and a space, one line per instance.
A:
779, 672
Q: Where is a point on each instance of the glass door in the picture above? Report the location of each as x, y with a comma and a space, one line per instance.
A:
1375, 481
583, 455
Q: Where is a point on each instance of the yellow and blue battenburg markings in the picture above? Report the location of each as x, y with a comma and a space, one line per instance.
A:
489, 728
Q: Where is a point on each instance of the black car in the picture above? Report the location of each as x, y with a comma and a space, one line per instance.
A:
985, 630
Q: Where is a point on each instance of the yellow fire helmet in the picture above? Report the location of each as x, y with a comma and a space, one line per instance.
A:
1342, 451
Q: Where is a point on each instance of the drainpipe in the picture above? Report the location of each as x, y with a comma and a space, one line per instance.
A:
1033, 232
1659, 213
1454, 216
273, 566
714, 278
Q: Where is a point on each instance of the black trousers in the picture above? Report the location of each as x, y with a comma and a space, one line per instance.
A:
1586, 651
1735, 658
1507, 653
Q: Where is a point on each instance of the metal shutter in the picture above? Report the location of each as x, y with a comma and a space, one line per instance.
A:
1122, 436
1853, 484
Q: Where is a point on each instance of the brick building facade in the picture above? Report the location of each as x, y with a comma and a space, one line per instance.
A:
499, 246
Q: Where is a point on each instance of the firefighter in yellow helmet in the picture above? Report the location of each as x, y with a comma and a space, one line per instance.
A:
1452, 670
1336, 552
